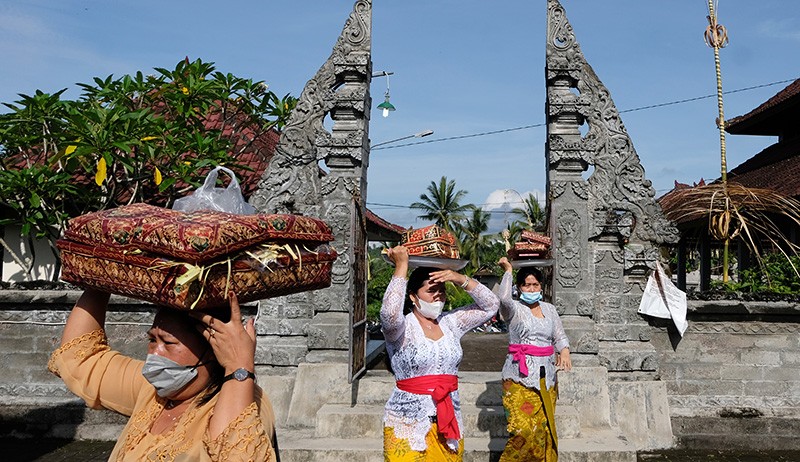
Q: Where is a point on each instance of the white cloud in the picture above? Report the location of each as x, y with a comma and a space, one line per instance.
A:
509, 199
781, 29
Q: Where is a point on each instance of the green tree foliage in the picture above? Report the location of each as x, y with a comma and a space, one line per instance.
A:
380, 273
131, 139
778, 275
441, 204
531, 212
474, 242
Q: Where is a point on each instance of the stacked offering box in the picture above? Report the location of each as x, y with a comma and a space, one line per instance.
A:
430, 241
530, 246
191, 260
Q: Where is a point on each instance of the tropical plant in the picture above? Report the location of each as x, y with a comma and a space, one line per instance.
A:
532, 212
474, 242
131, 139
777, 275
441, 204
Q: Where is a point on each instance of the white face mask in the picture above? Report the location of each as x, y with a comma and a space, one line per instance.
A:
167, 376
430, 310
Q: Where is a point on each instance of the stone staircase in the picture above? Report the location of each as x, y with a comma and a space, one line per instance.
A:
354, 432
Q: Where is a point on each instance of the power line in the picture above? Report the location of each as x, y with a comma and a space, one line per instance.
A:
641, 108
396, 206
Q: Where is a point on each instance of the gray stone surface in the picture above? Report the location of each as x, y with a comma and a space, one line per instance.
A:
294, 183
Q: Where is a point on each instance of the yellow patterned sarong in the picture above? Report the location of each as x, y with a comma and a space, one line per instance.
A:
530, 438
398, 450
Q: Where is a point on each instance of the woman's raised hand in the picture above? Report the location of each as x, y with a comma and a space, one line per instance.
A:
450, 276
399, 256
505, 264
233, 342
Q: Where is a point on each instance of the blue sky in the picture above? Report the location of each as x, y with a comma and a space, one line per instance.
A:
460, 68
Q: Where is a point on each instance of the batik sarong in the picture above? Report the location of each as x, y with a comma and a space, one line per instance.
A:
398, 450
529, 432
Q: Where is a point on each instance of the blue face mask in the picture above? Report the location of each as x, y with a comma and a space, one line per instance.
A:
530, 297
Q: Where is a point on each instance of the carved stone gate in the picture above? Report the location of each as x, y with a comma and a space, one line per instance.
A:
325, 325
606, 228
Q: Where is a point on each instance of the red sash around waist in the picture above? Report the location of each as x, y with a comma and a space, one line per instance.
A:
520, 351
439, 388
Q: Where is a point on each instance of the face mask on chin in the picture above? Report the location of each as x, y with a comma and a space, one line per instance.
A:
530, 297
430, 310
167, 376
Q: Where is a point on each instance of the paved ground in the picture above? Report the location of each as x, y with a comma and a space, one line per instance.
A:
482, 352
98, 451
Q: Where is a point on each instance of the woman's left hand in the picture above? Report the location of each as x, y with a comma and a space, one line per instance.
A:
563, 361
450, 276
234, 343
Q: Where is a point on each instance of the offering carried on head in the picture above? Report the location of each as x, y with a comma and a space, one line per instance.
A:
190, 260
531, 245
430, 241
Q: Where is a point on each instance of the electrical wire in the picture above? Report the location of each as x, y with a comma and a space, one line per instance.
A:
526, 127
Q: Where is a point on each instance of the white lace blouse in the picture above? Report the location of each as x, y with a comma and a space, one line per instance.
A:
412, 354
525, 328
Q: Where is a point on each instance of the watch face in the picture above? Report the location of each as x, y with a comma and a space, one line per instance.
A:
240, 374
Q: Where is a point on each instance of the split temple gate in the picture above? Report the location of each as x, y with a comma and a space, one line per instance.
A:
606, 229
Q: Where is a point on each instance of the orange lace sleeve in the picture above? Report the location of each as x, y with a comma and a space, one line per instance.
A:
100, 376
246, 438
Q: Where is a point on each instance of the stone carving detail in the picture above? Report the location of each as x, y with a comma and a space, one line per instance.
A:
581, 189
618, 181
568, 241
585, 306
294, 183
557, 188
612, 212
753, 328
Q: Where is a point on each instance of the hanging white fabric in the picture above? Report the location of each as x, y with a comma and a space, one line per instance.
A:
662, 299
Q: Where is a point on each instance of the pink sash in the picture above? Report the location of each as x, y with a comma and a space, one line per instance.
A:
521, 351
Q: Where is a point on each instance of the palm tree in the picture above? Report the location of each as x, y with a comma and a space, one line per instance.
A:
532, 212
474, 243
441, 205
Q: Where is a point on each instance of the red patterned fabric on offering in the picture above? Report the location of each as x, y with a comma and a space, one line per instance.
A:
194, 237
530, 246
430, 241
191, 260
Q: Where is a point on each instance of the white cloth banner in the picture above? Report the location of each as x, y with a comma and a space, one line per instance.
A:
663, 299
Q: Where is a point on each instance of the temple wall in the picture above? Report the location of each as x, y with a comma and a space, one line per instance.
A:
733, 380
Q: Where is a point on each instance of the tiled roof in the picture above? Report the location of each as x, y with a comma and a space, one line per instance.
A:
747, 124
776, 167
383, 224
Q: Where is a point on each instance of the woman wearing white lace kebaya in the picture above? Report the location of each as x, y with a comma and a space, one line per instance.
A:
422, 419
529, 373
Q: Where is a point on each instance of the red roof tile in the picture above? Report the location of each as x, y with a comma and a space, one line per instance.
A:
756, 121
776, 167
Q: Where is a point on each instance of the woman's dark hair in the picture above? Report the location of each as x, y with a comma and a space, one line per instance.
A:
526, 271
415, 281
217, 372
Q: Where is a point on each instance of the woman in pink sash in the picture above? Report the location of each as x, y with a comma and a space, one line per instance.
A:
422, 419
529, 373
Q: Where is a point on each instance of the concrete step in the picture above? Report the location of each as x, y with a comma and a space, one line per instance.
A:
481, 388
366, 421
600, 445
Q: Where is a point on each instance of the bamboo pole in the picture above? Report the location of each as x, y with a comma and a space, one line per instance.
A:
717, 37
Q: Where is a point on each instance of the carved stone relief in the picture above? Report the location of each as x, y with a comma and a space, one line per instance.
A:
294, 183
608, 231
569, 245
